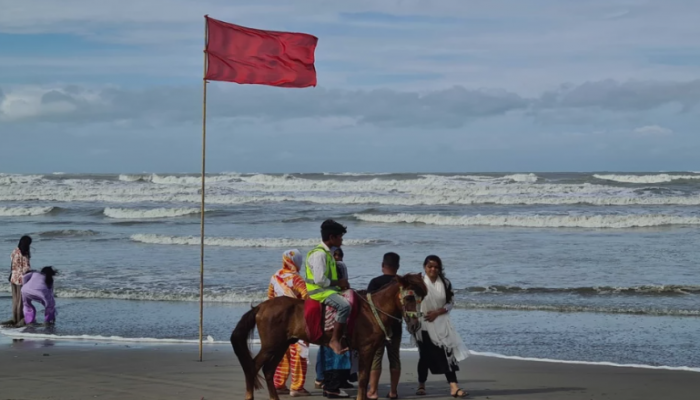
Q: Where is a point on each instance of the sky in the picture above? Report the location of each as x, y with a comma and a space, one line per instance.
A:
403, 86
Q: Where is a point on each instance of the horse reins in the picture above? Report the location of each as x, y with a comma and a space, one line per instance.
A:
402, 293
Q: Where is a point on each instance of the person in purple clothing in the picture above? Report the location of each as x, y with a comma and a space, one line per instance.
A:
38, 286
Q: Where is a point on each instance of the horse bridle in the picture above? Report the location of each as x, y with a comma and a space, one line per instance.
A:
403, 293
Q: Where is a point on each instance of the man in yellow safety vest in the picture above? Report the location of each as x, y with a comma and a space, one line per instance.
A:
322, 280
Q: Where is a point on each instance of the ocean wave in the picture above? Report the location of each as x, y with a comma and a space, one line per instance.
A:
130, 213
416, 190
65, 233
128, 294
535, 221
240, 242
518, 178
647, 290
645, 179
174, 179
24, 211
569, 308
12, 179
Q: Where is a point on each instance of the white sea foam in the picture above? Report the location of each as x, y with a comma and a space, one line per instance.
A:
420, 190
535, 221
24, 211
20, 333
174, 180
12, 179
210, 340
128, 294
599, 363
239, 242
581, 309
645, 179
130, 213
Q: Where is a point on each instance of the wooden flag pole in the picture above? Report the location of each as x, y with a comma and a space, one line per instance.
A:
204, 160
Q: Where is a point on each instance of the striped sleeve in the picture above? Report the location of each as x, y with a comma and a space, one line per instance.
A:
270, 291
300, 287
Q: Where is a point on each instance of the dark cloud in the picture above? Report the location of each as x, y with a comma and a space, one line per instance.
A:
447, 108
55, 96
625, 96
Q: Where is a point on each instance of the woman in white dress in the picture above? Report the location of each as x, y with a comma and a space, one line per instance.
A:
439, 345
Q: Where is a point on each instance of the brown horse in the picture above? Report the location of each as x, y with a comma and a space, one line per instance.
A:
280, 322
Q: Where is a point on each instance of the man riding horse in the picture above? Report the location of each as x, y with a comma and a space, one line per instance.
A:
322, 280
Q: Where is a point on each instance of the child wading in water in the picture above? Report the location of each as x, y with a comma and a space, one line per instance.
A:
38, 286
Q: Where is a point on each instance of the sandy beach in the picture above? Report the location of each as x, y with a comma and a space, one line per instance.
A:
38, 369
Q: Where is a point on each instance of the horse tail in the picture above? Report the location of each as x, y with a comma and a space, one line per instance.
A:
240, 337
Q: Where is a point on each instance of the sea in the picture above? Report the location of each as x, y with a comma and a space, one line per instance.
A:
578, 267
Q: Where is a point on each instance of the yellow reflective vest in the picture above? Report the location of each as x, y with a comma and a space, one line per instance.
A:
317, 292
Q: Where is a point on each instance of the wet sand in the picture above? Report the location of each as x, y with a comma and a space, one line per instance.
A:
37, 369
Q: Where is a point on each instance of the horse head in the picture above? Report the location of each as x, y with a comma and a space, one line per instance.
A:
412, 290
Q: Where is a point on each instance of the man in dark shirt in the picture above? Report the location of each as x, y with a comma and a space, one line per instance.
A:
390, 266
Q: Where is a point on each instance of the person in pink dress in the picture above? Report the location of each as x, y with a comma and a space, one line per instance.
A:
38, 286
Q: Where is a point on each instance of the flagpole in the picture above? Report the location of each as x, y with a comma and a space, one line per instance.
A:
204, 159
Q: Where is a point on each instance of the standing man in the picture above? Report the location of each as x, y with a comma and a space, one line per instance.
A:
322, 279
390, 266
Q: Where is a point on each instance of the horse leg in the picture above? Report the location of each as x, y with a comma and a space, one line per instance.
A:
366, 356
268, 359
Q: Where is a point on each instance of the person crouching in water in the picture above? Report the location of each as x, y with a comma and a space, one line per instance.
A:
38, 286
288, 282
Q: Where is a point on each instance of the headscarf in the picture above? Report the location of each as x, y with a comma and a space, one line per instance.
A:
283, 280
292, 260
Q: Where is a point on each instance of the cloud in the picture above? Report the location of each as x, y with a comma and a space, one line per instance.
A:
524, 46
623, 96
653, 130
442, 108
445, 108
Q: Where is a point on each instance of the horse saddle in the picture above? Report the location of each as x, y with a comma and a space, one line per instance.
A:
320, 317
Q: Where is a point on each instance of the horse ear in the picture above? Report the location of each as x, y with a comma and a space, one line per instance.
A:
401, 280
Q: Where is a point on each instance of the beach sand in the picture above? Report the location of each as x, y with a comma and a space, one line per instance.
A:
45, 369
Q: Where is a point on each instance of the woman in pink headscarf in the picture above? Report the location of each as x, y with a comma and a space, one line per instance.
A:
288, 282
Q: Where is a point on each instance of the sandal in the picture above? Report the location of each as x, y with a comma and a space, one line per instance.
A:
421, 391
318, 384
460, 396
394, 397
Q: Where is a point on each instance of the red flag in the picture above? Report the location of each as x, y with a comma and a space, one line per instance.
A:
252, 56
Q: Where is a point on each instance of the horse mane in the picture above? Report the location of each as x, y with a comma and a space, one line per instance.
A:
410, 281
415, 283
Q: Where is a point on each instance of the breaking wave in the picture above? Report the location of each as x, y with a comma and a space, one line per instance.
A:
175, 180
535, 221
240, 242
65, 233
574, 308
130, 213
10, 179
647, 290
645, 179
24, 211
128, 294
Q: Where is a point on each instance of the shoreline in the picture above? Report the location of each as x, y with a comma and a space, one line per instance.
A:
69, 341
46, 369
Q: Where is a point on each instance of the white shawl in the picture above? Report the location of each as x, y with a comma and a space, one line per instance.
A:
441, 331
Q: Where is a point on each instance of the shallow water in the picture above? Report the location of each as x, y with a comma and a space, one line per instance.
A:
572, 266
